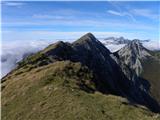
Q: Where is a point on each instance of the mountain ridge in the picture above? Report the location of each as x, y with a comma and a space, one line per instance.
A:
108, 73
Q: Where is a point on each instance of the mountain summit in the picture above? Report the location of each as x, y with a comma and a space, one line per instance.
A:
71, 80
87, 37
132, 53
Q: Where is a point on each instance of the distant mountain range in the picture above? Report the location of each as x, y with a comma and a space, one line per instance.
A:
118, 40
84, 80
10, 58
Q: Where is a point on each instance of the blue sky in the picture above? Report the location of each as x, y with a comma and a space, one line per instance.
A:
65, 20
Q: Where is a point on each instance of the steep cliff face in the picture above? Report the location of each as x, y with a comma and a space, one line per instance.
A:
85, 65
141, 66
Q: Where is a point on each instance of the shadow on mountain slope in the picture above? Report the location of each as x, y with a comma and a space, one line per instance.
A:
108, 76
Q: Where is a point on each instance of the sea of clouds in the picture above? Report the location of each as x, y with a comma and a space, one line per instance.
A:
13, 52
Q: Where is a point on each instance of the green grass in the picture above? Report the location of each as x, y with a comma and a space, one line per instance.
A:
155, 53
50, 54
151, 73
36, 60
54, 92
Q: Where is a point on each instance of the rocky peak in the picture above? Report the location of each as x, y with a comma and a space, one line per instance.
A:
135, 44
89, 37
133, 54
110, 38
121, 38
134, 49
117, 40
89, 42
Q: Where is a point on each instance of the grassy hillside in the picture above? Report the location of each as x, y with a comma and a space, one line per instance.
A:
151, 72
63, 91
156, 54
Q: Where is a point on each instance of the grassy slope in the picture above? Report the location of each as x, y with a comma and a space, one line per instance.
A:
151, 72
53, 92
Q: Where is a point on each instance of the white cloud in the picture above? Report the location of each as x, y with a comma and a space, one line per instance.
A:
145, 13
67, 13
115, 13
13, 4
51, 35
53, 17
84, 23
152, 45
13, 52
114, 47
122, 14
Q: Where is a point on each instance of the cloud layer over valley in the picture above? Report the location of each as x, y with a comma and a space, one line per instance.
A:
13, 52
